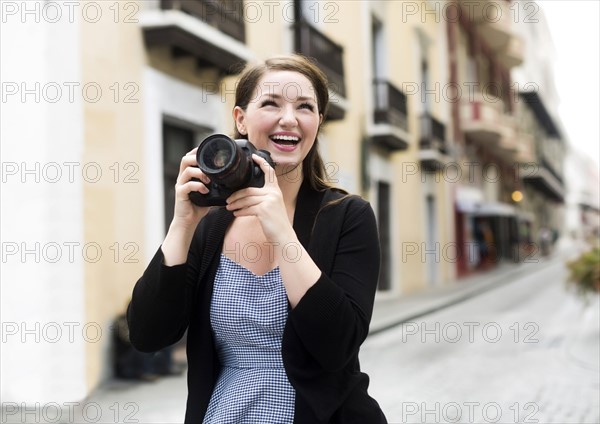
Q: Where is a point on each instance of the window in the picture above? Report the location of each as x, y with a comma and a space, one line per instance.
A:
383, 220
378, 48
425, 80
177, 141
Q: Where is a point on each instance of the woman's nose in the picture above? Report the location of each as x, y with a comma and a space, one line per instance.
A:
288, 117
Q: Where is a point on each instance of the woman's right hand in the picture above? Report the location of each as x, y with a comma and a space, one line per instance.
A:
186, 213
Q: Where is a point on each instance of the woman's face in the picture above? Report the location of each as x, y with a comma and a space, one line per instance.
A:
282, 117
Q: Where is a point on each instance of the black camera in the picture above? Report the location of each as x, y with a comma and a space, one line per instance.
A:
229, 165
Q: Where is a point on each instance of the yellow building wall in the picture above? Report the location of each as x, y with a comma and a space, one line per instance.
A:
408, 191
346, 135
112, 53
266, 26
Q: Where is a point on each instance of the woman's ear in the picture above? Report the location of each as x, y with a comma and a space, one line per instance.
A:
240, 119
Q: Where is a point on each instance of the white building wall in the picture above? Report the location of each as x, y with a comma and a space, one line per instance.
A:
42, 270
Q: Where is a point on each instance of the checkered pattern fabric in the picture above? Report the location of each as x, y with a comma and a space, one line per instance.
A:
248, 314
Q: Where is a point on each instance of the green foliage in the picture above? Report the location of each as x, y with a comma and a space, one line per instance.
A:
585, 273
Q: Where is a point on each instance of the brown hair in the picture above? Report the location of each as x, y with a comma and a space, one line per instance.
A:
313, 168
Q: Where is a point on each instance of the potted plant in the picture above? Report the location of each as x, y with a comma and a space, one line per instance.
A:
584, 273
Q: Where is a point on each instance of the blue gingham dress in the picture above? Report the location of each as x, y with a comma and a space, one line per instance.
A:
248, 313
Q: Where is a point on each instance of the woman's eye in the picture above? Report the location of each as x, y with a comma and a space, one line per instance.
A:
307, 106
268, 103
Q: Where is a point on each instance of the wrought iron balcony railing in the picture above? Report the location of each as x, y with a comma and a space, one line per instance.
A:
390, 104
225, 15
329, 55
433, 134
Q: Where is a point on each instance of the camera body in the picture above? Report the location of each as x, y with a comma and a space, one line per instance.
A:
229, 165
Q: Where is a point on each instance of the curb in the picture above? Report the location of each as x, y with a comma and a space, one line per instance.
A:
497, 279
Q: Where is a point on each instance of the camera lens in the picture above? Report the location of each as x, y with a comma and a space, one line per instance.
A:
222, 156
224, 161
229, 165
216, 154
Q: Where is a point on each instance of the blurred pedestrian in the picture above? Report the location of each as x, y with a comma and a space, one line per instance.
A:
130, 363
545, 237
273, 337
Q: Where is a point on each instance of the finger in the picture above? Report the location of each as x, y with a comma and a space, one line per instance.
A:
187, 161
245, 192
262, 162
192, 172
269, 171
188, 168
244, 212
245, 202
182, 192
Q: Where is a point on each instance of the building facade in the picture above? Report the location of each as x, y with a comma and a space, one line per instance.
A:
421, 124
483, 48
544, 140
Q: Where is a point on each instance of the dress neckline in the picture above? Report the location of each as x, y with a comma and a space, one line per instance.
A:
237, 264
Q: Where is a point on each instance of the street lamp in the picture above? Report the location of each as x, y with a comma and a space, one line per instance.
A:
517, 196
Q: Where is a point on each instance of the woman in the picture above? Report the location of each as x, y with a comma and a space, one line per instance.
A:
276, 289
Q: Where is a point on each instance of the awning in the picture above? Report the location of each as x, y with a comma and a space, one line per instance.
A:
470, 200
486, 208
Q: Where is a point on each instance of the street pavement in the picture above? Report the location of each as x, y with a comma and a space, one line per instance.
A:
524, 351
437, 357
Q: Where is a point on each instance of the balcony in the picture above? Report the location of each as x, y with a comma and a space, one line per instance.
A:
483, 120
329, 57
513, 53
494, 22
543, 116
493, 19
508, 143
390, 129
543, 178
554, 167
210, 31
226, 16
433, 149
508, 148
525, 145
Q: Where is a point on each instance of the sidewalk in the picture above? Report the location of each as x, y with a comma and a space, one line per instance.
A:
392, 312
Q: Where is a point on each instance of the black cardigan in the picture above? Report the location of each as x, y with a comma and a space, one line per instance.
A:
323, 333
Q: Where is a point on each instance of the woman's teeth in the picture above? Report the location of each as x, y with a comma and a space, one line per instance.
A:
285, 139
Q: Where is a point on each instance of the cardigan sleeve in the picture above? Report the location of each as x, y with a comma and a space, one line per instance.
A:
332, 318
161, 303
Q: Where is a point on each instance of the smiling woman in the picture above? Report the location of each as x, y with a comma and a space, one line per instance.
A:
297, 83
276, 288
281, 117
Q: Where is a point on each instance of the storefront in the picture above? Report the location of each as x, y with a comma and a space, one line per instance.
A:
487, 232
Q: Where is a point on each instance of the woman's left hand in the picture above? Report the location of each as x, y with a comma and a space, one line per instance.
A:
266, 203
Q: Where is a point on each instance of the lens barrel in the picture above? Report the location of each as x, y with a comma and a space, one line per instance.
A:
222, 159
229, 165
216, 154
